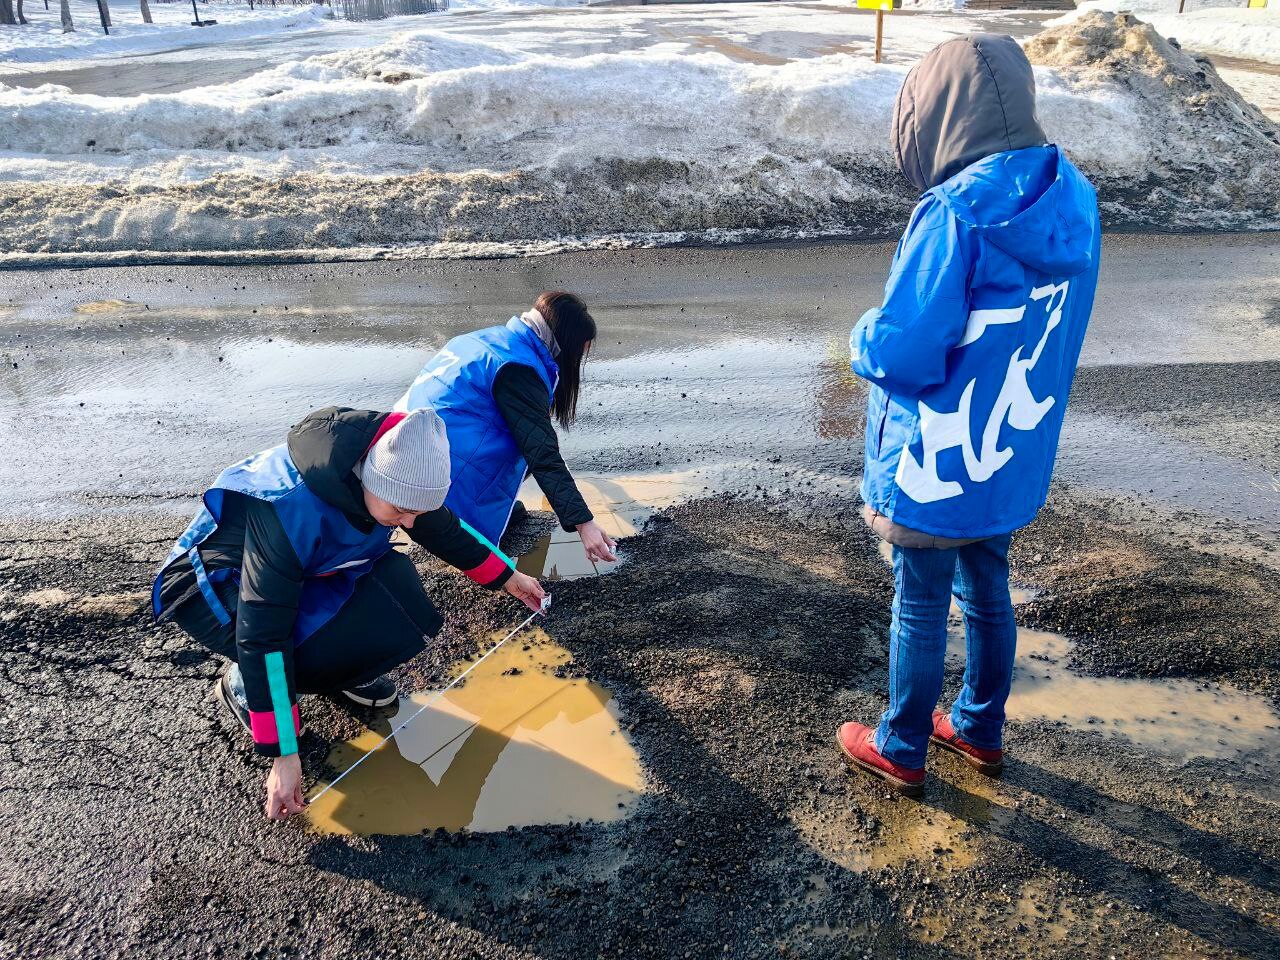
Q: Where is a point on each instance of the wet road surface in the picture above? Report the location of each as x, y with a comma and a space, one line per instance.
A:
707, 673
135, 386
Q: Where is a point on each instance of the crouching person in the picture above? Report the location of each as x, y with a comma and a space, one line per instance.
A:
288, 572
970, 357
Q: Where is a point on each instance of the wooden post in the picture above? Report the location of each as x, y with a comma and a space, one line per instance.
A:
102, 15
879, 32
1181, 5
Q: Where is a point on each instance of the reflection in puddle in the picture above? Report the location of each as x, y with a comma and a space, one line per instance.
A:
620, 505
514, 745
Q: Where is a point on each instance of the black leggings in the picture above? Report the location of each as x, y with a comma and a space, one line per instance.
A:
384, 623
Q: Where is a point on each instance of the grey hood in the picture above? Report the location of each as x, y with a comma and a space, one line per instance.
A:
968, 98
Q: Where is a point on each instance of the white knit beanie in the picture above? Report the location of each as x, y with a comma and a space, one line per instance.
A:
409, 466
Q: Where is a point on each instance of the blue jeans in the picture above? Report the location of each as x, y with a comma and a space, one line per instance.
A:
924, 582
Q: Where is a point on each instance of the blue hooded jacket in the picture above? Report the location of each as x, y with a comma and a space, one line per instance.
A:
972, 354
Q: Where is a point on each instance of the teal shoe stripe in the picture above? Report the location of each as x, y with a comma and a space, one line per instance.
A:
280, 704
485, 540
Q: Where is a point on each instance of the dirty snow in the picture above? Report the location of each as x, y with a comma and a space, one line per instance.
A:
1228, 32
439, 137
42, 40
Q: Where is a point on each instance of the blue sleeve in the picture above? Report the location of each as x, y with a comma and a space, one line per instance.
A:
902, 345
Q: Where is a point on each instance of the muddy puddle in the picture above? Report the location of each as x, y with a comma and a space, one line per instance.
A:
901, 832
109, 306
1177, 717
621, 505
1181, 718
512, 746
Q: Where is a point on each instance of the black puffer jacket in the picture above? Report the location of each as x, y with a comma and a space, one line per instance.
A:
324, 447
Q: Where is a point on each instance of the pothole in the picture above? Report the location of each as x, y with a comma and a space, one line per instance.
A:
1178, 717
514, 745
620, 505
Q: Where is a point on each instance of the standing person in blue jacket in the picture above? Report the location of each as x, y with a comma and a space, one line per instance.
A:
496, 389
970, 360
287, 571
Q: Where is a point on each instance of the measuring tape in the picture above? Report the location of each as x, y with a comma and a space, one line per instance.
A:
546, 605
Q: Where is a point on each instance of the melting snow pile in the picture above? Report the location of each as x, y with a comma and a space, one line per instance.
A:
1251, 34
435, 140
1211, 160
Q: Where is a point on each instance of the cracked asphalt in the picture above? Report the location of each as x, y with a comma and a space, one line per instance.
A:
747, 623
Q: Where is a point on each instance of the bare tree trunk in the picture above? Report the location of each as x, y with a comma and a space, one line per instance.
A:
105, 11
146, 11
6, 13
68, 25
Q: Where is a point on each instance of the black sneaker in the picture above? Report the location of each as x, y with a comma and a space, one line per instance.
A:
378, 692
230, 690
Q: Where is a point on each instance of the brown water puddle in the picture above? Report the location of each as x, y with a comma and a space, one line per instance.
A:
1178, 717
621, 505
512, 746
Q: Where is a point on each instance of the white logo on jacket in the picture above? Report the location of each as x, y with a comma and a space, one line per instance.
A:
1015, 405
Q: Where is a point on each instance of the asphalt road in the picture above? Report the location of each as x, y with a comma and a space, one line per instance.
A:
135, 385
744, 626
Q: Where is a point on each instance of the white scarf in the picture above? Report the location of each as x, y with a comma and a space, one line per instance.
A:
535, 322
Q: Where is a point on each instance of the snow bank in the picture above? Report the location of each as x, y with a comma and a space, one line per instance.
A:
437, 138
42, 40
1211, 158
1235, 32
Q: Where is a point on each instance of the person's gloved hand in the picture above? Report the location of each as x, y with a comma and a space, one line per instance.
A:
284, 788
596, 542
525, 589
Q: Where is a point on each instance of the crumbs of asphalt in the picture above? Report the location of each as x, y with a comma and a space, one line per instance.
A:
735, 640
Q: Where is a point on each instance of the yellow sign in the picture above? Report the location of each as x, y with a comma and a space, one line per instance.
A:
878, 4
1252, 3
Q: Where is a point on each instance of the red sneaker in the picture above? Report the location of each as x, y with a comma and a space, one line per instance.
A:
857, 743
988, 762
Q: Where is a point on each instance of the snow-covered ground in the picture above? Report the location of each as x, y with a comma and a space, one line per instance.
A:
1236, 31
42, 40
488, 132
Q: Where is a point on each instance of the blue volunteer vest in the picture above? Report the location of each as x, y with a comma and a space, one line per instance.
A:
487, 467
334, 554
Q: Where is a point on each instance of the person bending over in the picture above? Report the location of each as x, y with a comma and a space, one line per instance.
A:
288, 571
497, 390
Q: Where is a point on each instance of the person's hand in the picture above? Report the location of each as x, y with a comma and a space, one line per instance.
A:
596, 542
284, 788
525, 589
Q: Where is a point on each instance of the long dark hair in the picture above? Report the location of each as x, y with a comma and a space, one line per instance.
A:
574, 330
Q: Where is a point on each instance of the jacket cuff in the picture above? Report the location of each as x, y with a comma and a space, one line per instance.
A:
268, 739
493, 573
570, 524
